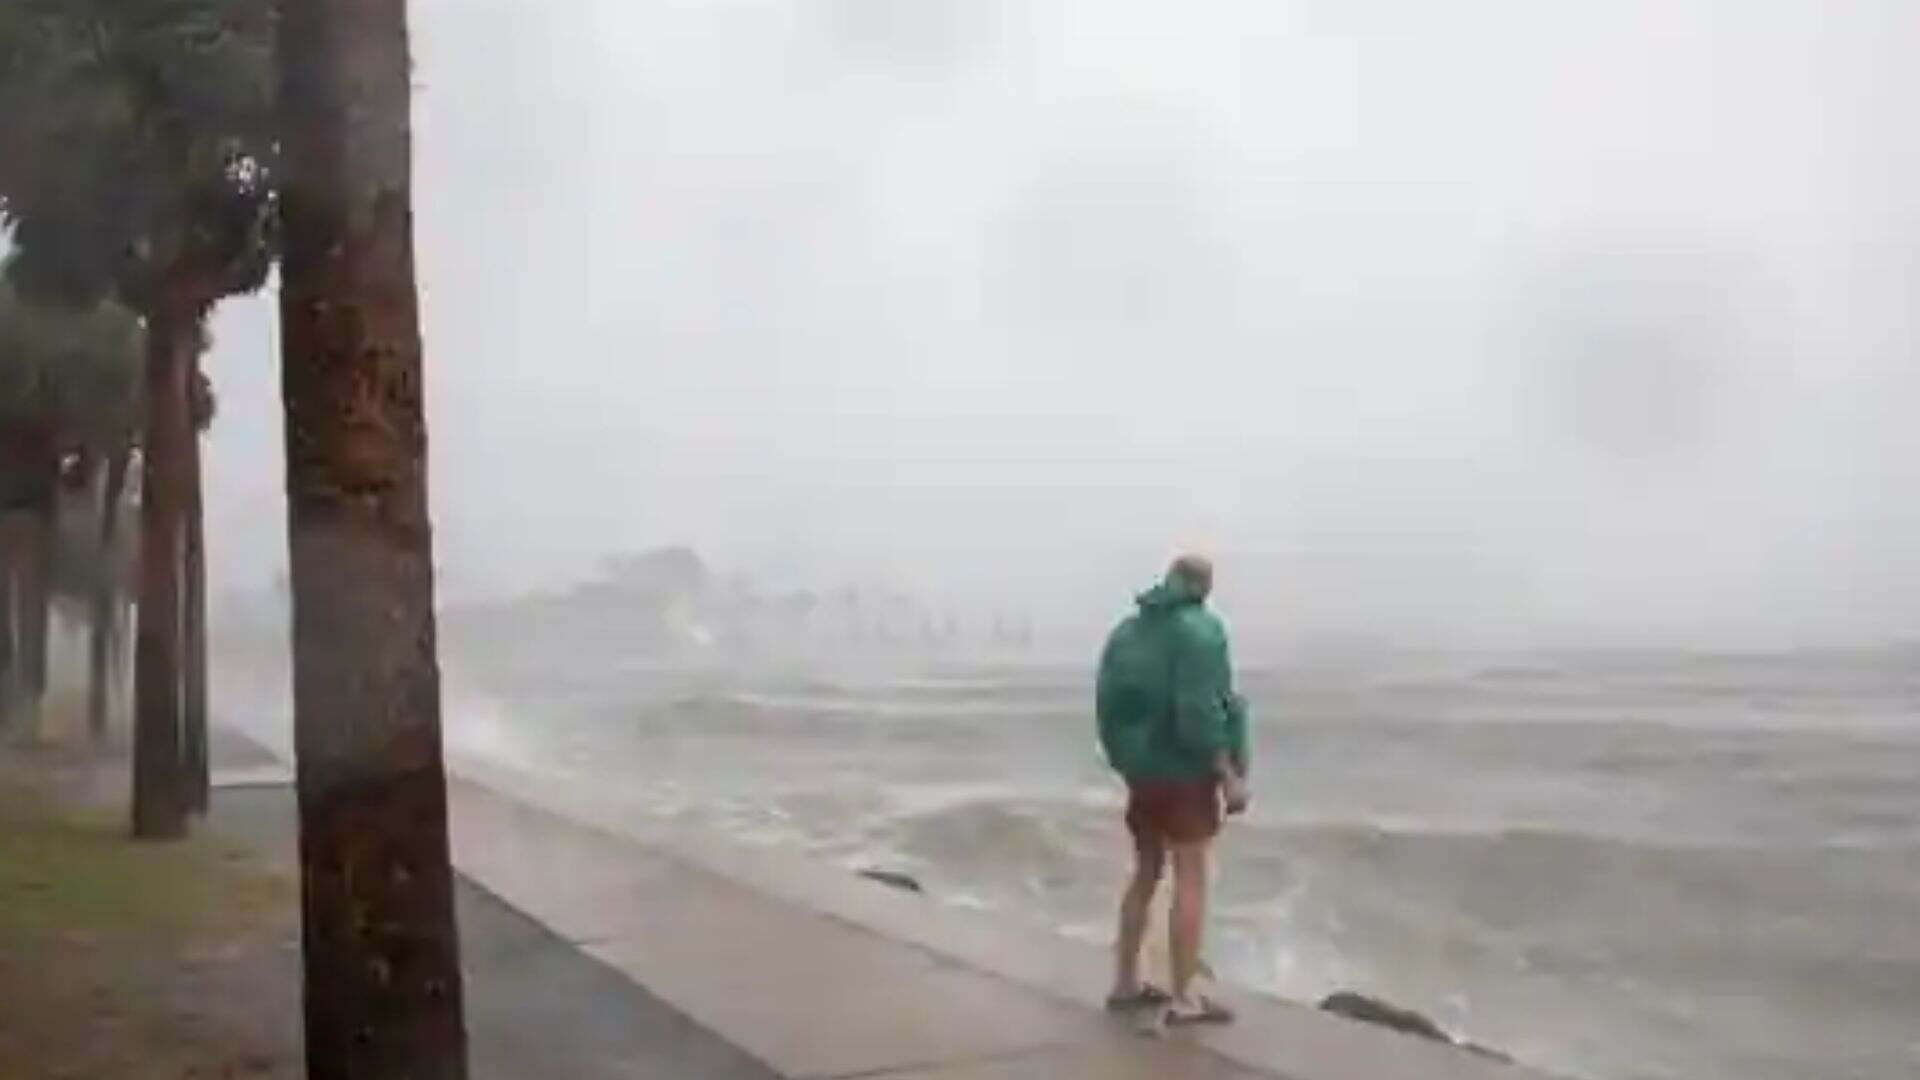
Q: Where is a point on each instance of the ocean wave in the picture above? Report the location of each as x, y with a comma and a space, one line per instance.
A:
893, 706
1012, 837
1373, 832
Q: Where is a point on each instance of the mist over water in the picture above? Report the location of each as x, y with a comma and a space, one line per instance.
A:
1482, 322
1539, 376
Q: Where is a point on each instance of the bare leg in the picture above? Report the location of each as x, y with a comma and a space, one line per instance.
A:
1189, 913
1149, 858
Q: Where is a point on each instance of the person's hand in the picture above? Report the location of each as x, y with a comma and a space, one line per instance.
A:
1234, 791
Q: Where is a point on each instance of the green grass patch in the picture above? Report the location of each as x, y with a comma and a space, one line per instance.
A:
76, 871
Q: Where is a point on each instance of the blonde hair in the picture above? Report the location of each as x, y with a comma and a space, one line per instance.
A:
1195, 570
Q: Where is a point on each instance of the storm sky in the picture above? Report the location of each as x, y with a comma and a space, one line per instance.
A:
1478, 320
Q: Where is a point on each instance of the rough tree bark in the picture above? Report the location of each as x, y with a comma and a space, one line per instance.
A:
383, 990
160, 795
105, 602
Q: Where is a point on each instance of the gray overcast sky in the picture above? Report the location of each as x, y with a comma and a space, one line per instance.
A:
1479, 317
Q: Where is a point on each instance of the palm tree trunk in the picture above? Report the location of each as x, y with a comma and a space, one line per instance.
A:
160, 797
194, 621
33, 602
27, 518
105, 604
383, 986
9, 653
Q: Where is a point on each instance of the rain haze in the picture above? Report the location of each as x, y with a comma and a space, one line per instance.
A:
818, 393
1447, 324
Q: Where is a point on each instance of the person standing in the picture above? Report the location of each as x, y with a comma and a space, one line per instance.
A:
1172, 726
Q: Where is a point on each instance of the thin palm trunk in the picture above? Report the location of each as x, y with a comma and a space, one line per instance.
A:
160, 796
383, 986
105, 602
30, 464
9, 653
33, 604
194, 638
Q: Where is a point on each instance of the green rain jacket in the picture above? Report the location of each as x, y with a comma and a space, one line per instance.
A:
1164, 696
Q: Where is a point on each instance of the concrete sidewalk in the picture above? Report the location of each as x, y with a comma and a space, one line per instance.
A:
811, 995
535, 1005
821, 974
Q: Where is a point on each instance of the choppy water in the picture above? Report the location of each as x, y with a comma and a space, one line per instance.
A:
1616, 867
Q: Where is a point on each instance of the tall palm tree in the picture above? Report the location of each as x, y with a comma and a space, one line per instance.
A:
383, 990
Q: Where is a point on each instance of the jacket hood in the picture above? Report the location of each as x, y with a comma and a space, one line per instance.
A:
1172, 592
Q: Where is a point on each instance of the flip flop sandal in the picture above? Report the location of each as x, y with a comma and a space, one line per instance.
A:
1200, 1010
1147, 997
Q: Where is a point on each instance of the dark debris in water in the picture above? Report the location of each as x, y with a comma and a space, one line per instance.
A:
894, 879
1372, 1010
